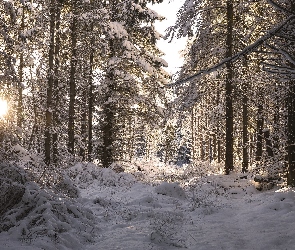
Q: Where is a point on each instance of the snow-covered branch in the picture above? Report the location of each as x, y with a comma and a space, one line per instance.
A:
245, 51
286, 55
279, 7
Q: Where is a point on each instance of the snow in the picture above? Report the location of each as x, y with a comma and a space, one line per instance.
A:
117, 30
147, 205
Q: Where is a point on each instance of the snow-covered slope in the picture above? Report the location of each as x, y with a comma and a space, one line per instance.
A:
209, 212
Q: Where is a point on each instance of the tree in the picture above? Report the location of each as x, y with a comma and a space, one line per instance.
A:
132, 64
229, 116
237, 30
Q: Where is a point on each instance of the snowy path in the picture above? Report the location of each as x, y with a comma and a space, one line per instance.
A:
139, 218
210, 213
240, 228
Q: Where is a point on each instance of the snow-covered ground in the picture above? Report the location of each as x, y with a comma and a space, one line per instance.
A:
158, 208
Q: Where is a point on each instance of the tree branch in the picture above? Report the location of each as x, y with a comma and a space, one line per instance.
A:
279, 7
245, 51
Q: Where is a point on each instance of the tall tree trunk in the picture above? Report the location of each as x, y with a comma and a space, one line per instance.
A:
291, 125
48, 124
276, 121
268, 142
193, 133
229, 165
90, 97
56, 87
108, 127
108, 131
245, 164
259, 130
291, 134
72, 83
82, 152
20, 87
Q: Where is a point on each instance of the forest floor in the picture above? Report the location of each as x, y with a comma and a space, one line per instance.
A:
168, 208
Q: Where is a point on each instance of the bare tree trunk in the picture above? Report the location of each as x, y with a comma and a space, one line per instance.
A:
219, 150
193, 134
48, 125
56, 87
268, 143
90, 98
20, 87
259, 130
82, 152
291, 125
229, 165
108, 127
72, 83
291, 134
245, 164
108, 132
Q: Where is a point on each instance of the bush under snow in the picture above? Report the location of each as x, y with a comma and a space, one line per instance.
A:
32, 213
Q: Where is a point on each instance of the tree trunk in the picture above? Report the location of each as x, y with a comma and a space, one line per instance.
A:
291, 125
229, 165
71, 122
268, 143
108, 128
108, 133
245, 164
90, 98
56, 87
276, 121
291, 134
259, 130
82, 152
50, 85
20, 87
193, 135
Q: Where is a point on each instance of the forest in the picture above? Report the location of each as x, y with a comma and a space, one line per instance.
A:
86, 106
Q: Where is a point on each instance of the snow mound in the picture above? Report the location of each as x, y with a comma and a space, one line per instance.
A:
44, 214
85, 174
167, 229
12, 189
283, 201
170, 189
43, 217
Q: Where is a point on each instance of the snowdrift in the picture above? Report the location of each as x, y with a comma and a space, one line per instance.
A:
142, 206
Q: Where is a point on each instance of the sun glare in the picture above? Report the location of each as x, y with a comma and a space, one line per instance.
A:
3, 107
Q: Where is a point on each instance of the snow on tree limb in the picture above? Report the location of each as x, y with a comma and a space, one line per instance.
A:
283, 52
245, 51
279, 7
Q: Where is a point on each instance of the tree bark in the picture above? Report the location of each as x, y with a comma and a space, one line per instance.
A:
291, 134
259, 131
48, 125
245, 164
108, 130
193, 135
82, 152
72, 83
56, 121
268, 143
20, 87
291, 124
90, 98
229, 165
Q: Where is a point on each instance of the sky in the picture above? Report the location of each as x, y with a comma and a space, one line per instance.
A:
169, 9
